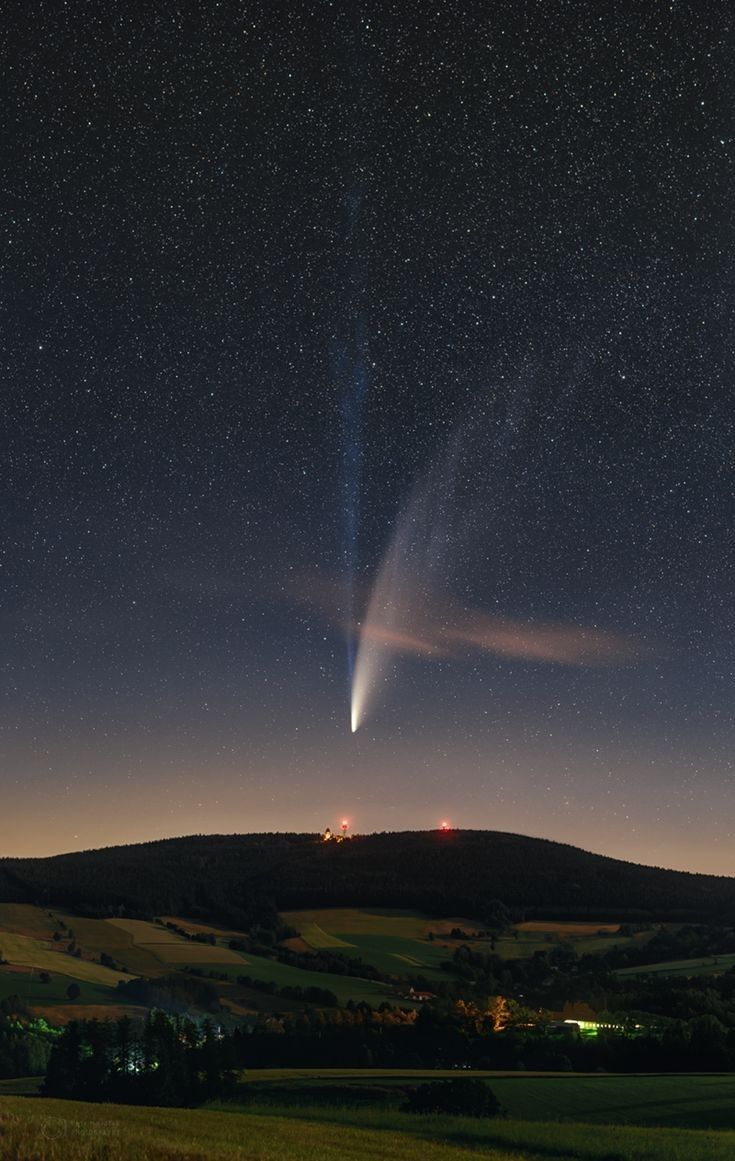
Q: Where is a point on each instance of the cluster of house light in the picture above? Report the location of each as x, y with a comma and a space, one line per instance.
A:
333, 836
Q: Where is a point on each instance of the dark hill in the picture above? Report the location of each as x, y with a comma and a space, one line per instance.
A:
242, 878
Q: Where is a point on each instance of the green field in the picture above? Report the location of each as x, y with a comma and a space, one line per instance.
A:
71, 1131
27, 985
97, 935
27, 919
394, 942
376, 921
695, 1101
283, 975
316, 937
24, 951
93, 936
586, 938
396, 956
711, 965
170, 949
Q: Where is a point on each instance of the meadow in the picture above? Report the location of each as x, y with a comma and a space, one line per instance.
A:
95, 936
72, 1131
695, 1101
704, 966
524, 939
377, 921
23, 951
27, 919
26, 984
171, 949
283, 975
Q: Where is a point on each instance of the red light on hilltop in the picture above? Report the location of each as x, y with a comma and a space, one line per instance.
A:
445, 825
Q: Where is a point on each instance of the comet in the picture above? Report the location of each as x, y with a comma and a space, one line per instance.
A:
397, 614
410, 610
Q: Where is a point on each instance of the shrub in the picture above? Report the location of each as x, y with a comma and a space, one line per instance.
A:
461, 1098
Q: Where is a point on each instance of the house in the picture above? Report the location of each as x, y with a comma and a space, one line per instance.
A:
419, 996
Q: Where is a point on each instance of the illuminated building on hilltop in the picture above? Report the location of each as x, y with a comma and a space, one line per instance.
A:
331, 836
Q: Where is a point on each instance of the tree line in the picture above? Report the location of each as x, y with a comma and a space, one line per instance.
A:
163, 1060
665, 1026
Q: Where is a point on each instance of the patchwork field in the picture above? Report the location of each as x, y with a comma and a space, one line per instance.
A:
171, 949
28, 952
95, 936
399, 941
20, 922
151, 949
395, 942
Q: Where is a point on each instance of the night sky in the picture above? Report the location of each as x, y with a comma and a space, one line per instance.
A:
293, 292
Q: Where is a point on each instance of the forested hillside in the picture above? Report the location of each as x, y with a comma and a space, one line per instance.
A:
242, 879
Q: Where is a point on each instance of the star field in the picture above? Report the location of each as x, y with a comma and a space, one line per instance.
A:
529, 211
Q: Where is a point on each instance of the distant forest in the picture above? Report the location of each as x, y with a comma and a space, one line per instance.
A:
245, 879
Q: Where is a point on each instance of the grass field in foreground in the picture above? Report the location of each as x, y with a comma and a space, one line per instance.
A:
72, 1131
697, 1101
